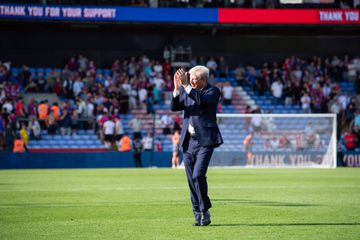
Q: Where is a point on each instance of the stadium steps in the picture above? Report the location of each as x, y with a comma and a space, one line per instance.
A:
83, 140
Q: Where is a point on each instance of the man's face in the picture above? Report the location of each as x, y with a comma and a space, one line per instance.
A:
196, 82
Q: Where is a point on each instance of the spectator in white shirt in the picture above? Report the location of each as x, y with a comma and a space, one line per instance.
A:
78, 86
136, 126
212, 66
305, 103
148, 142
109, 130
227, 93
158, 67
158, 81
277, 90
344, 100
142, 97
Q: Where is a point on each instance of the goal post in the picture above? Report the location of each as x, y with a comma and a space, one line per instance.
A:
277, 140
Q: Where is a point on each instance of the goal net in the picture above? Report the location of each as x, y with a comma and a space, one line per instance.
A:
276, 140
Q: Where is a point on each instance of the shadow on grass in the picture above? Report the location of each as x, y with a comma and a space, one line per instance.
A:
282, 224
262, 203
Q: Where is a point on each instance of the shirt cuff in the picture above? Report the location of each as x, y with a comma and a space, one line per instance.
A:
176, 93
188, 89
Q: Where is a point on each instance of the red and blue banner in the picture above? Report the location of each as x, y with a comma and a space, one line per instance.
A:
180, 15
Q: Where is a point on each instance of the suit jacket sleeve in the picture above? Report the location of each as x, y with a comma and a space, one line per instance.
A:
178, 102
210, 96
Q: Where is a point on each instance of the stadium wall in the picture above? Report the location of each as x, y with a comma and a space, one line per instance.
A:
112, 160
55, 46
82, 160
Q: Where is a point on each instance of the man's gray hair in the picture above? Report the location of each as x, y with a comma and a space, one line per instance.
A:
202, 71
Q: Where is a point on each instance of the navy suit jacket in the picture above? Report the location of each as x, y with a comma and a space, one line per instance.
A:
202, 106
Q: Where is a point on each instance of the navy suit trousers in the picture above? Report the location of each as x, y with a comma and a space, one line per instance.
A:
196, 161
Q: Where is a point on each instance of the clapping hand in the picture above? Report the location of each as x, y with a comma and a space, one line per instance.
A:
180, 78
184, 77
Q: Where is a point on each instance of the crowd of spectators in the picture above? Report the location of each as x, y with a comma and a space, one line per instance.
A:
89, 98
314, 84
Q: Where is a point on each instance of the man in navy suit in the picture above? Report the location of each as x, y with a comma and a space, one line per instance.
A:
200, 134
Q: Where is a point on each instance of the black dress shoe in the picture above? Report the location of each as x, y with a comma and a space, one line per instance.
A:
196, 223
205, 219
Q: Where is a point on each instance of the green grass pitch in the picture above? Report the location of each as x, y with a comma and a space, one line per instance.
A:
154, 204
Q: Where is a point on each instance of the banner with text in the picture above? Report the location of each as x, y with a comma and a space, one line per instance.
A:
306, 159
351, 159
288, 16
115, 14
179, 15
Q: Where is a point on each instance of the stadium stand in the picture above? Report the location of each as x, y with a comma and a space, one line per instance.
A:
102, 89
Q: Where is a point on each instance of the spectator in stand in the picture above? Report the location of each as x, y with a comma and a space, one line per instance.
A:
119, 130
142, 97
74, 122
41, 82
25, 75
65, 122
72, 65
34, 128
137, 148
223, 68
305, 103
148, 142
51, 123
109, 131
250, 76
350, 110
356, 120
167, 122
227, 93
56, 111
52, 78
240, 75
78, 86
212, 65
158, 69
125, 144
19, 146
24, 134
166, 67
19, 108
350, 140
277, 90
43, 110
335, 106
265, 74
8, 106
317, 98
32, 108
68, 87
31, 85
82, 63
